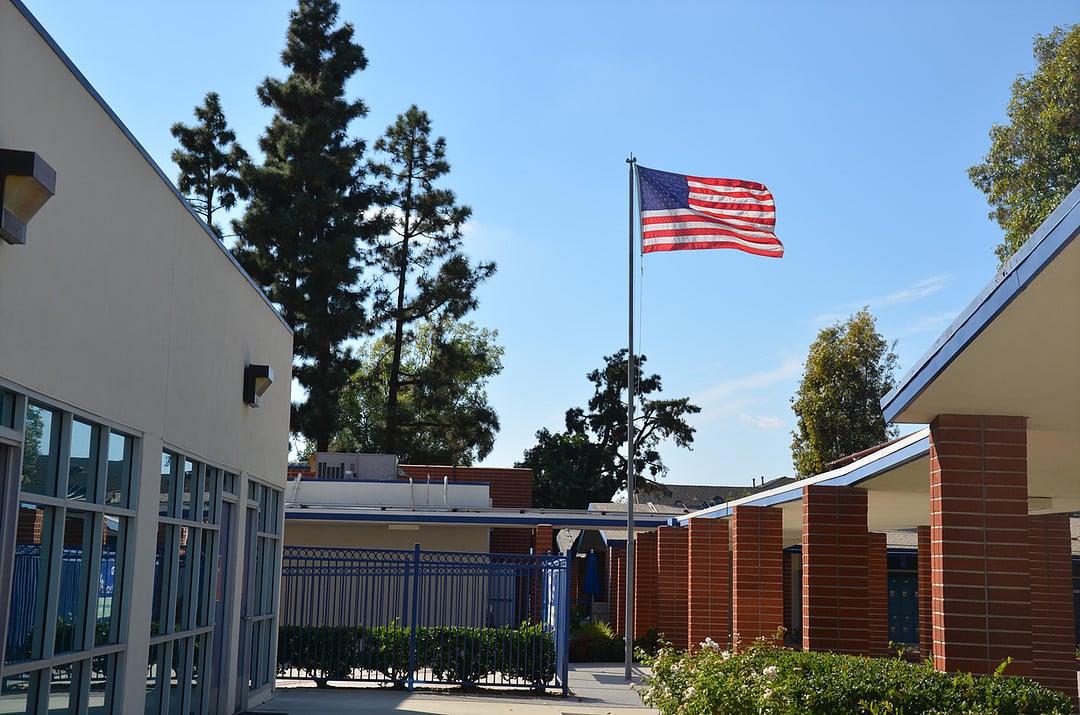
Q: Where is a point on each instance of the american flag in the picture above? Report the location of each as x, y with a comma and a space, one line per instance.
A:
681, 212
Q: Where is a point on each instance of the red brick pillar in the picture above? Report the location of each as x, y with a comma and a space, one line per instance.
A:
980, 573
926, 613
709, 574
877, 606
645, 577
1053, 638
672, 584
835, 570
544, 537
617, 588
757, 572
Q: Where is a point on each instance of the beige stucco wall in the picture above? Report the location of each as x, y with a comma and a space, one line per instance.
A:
121, 304
358, 535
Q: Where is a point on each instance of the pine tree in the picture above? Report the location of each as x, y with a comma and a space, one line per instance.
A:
428, 277
304, 228
209, 160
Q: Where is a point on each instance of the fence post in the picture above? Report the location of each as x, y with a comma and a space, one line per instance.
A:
413, 615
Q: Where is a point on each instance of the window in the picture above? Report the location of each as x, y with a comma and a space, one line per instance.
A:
266, 583
185, 584
63, 644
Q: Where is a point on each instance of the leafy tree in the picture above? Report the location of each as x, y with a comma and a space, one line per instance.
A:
302, 233
443, 412
209, 160
427, 277
587, 462
1034, 160
848, 370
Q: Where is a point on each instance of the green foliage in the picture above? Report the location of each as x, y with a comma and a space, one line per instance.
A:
209, 160
586, 463
768, 679
838, 404
427, 279
1034, 160
453, 654
307, 218
443, 412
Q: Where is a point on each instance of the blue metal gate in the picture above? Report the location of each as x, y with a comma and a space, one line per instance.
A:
411, 616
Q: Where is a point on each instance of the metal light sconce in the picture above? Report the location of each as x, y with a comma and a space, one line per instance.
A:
257, 380
26, 183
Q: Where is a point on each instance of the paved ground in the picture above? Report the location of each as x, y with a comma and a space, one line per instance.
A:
595, 689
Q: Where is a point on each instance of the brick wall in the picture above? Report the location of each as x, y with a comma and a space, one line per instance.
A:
509, 488
926, 613
1053, 637
709, 575
835, 570
672, 584
757, 572
645, 583
980, 571
878, 595
617, 588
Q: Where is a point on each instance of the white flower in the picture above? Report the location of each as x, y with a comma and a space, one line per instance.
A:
725, 654
690, 691
710, 644
767, 694
769, 672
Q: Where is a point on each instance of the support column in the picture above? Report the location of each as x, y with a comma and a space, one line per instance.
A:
672, 584
878, 595
617, 588
757, 572
645, 579
544, 539
1053, 638
926, 613
981, 578
709, 573
835, 570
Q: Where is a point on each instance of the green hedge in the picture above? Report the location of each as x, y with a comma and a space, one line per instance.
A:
769, 679
453, 654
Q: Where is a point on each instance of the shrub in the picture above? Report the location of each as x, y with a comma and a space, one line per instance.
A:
595, 642
765, 678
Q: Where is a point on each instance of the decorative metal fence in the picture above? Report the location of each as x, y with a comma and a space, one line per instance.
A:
404, 617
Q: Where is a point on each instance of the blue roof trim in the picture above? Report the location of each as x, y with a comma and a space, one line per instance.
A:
909, 453
473, 519
417, 481
1055, 233
135, 142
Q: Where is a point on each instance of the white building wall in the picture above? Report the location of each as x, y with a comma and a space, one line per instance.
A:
123, 310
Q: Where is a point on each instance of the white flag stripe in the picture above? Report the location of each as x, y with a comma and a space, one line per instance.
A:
765, 194
676, 240
681, 218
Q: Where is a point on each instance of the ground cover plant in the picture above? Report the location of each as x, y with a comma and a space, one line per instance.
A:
766, 678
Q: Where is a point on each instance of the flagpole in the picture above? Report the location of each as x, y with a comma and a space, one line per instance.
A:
629, 634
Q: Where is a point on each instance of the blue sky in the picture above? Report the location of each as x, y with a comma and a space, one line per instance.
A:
861, 117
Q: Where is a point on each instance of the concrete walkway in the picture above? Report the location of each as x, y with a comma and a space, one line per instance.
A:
595, 689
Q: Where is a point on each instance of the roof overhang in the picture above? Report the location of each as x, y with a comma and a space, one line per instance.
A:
508, 518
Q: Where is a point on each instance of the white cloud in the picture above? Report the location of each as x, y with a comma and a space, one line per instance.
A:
764, 422
742, 395
919, 290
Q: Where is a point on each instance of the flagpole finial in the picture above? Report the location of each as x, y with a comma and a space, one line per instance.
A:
631, 160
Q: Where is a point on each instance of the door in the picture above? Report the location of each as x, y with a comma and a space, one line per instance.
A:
247, 603
224, 622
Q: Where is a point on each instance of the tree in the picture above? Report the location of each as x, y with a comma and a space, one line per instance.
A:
443, 412
589, 458
209, 160
848, 370
305, 225
1034, 160
427, 277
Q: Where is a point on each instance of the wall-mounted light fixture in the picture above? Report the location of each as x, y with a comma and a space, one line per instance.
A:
257, 380
26, 183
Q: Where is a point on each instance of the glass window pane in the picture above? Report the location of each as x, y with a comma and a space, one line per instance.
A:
188, 571
103, 683
61, 693
30, 576
187, 486
165, 565
207, 586
157, 678
169, 467
71, 609
15, 693
106, 629
82, 468
211, 495
118, 478
41, 451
